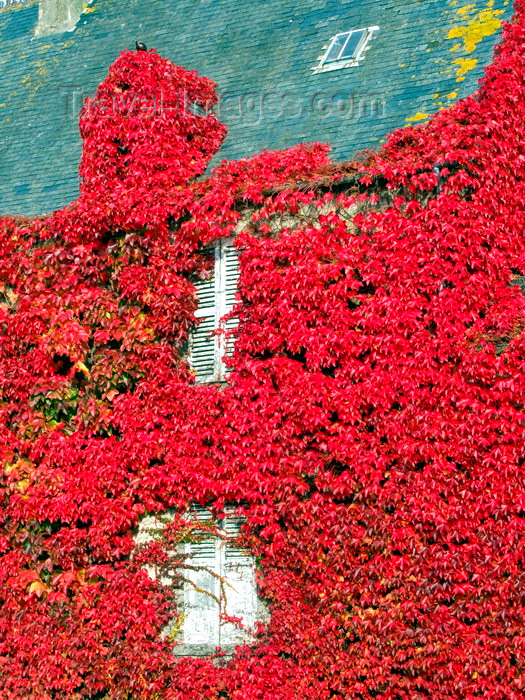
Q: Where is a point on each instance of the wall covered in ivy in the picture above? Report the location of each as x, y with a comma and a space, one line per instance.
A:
370, 432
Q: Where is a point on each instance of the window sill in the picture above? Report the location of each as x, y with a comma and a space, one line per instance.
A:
198, 651
335, 65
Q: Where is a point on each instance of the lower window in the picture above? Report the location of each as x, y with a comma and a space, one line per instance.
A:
218, 583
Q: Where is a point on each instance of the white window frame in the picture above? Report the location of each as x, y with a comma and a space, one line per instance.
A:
206, 351
220, 579
227, 573
348, 62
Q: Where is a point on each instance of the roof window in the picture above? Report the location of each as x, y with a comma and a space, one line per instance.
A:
346, 49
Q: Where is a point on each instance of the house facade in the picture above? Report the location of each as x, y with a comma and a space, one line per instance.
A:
344, 329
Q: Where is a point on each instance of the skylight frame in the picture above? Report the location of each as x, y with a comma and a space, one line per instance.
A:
345, 62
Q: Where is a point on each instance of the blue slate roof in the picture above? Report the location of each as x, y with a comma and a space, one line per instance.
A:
427, 54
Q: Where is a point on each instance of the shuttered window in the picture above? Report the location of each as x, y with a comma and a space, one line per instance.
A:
218, 578
216, 297
223, 581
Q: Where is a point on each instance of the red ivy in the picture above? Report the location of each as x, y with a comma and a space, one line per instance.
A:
371, 431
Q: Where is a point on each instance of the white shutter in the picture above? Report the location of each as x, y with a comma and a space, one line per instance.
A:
203, 343
240, 589
231, 274
234, 554
231, 265
203, 346
202, 590
216, 298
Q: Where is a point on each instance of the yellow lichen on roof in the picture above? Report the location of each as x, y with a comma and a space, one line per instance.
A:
86, 9
484, 23
466, 10
464, 66
7, 8
32, 82
417, 117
